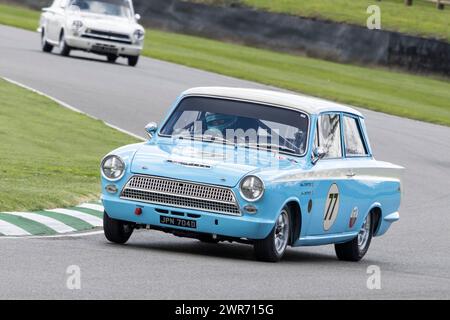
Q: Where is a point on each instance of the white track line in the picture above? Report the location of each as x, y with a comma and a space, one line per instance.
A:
9, 229
92, 206
54, 224
68, 106
89, 218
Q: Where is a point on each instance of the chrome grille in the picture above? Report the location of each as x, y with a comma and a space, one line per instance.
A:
181, 194
107, 36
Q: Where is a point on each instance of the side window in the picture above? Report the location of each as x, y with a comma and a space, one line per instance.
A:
329, 135
354, 144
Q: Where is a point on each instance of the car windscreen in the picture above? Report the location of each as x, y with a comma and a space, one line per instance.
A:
119, 8
245, 123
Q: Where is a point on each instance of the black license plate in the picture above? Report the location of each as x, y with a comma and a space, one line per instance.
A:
178, 222
104, 49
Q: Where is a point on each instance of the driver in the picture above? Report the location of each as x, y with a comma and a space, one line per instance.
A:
219, 123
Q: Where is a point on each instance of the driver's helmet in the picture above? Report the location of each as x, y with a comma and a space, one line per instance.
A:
220, 122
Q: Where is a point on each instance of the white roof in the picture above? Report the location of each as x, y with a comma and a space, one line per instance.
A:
307, 104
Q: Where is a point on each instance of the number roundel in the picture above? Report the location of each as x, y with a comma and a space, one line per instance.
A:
331, 207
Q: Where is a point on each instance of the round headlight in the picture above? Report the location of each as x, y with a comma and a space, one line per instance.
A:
113, 167
77, 25
139, 35
252, 188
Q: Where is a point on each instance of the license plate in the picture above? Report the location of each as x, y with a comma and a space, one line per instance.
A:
104, 49
178, 222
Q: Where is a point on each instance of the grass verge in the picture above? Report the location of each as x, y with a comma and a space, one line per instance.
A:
412, 96
422, 18
49, 155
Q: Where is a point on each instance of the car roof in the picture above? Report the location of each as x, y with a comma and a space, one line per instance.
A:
307, 104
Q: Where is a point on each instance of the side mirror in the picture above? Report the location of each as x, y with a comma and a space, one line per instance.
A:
151, 129
137, 16
63, 4
317, 154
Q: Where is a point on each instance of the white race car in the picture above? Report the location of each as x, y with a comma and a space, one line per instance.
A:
106, 27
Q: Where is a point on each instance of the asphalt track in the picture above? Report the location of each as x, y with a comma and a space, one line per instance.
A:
414, 257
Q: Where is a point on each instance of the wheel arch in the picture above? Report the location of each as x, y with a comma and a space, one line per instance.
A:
296, 218
376, 210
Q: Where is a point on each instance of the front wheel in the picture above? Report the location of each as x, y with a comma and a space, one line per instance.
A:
117, 231
272, 248
46, 47
111, 58
64, 49
133, 60
355, 249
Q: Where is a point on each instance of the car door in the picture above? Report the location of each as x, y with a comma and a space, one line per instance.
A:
59, 18
330, 181
358, 159
48, 21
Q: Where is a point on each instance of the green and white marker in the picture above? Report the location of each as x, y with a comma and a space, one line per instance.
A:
84, 217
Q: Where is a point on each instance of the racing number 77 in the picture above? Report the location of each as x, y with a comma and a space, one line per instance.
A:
331, 205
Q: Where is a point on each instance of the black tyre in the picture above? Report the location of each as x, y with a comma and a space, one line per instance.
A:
354, 250
133, 60
46, 47
272, 248
117, 231
111, 58
64, 49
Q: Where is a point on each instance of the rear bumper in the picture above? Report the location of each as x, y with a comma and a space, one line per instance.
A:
245, 226
103, 47
386, 222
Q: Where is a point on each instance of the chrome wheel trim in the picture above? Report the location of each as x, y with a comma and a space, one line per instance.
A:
364, 233
281, 232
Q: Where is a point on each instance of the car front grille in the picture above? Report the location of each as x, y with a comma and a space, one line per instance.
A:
181, 194
107, 36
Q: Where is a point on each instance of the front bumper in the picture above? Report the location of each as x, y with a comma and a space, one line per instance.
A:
103, 46
244, 226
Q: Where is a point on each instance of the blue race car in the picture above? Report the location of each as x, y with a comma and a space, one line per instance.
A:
259, 167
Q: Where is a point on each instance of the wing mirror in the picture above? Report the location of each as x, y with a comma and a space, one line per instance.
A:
317, 154
137, 16
151, 129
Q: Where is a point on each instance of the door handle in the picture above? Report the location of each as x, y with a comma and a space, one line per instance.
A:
350, 174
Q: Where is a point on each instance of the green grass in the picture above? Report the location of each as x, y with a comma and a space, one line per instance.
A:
422, 18
49, 155
19, 16
402, 94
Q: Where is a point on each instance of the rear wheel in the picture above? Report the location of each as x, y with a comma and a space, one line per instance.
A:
64, 49
111, 58
117, 231
133, 60
272, 248
46, 47
355, 249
